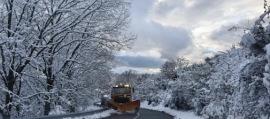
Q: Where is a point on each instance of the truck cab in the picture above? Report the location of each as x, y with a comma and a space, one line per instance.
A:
121, 99
121, 94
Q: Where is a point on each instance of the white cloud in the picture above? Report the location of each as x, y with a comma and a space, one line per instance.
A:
138, 70
147, 53
188, 28
203, 18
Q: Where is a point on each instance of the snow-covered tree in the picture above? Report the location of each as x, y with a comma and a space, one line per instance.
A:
128, 77
47, 46
168, 69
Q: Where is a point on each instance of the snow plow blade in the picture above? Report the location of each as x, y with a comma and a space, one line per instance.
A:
126, 106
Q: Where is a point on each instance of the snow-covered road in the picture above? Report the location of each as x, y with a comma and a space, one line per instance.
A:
143, 114
175, 113
67, 115
146, 112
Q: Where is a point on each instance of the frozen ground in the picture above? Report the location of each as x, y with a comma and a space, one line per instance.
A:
106, 113
177, 114
91, 108
182, 114
59, 110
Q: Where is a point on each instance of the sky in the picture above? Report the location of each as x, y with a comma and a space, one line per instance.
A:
192, 29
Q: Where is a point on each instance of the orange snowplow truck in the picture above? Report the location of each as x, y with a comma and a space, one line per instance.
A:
121, 99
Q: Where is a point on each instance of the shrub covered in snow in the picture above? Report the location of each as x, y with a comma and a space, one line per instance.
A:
228, 85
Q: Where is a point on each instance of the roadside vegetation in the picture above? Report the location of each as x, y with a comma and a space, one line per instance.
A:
232, 84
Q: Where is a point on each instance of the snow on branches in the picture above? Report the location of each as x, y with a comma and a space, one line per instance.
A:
57, 47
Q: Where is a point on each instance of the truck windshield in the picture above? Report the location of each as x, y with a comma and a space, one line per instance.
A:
121, 90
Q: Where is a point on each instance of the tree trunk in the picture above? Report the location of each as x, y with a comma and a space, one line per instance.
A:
10, 76
50, 80
47, 98
5, 116
9, 98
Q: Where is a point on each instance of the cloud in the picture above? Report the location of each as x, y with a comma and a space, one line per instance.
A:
208, 51
203, 12
138, 70
226, 38
175, 27
207, 20
140, 8
139, 61
222, 34
194, 29
167, 40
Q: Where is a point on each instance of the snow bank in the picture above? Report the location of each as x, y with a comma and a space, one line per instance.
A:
92, 108
57, 110
104, 114
177, 114
241, 117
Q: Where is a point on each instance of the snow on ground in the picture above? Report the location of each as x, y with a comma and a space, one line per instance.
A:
104, 114
177, 114
59, 110
92, 108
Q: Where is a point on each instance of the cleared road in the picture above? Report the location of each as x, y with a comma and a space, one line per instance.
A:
143, 114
